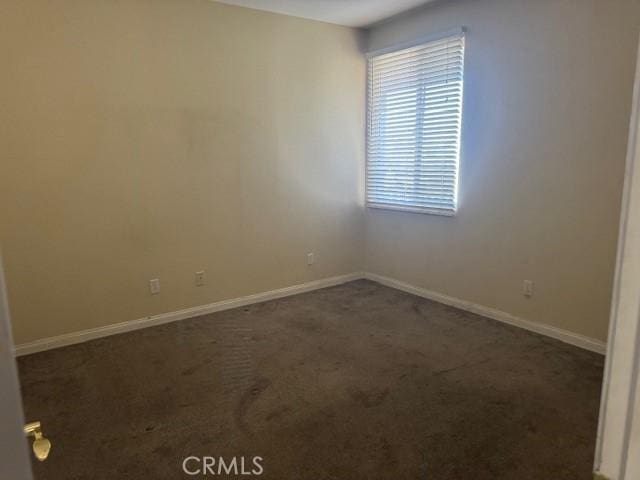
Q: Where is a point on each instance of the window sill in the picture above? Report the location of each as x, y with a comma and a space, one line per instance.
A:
424, 211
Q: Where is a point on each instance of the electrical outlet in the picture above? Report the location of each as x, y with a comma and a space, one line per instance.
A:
527, 288
200, 278
154, 286
310, 259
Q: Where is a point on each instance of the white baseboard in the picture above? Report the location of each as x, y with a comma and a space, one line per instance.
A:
559, 334
94, 333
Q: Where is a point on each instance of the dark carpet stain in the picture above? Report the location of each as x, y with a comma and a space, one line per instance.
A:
246, 400
278, 413
368, 399
191, 370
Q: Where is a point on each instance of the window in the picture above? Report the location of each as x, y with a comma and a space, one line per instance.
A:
413, 126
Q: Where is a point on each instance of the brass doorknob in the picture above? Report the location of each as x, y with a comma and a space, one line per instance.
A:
41, 446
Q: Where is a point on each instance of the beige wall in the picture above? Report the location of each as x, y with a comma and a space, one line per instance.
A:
155, 138
546, 113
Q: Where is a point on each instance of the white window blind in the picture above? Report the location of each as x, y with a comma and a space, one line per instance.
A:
413, 131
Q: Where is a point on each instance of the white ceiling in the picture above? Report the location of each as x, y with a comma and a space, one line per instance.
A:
352, 13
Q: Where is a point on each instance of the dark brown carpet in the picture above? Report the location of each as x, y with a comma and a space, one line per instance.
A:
355, 382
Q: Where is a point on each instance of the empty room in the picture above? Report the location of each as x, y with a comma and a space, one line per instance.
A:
320, 239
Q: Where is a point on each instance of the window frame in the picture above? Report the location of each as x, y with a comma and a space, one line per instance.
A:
459, 31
